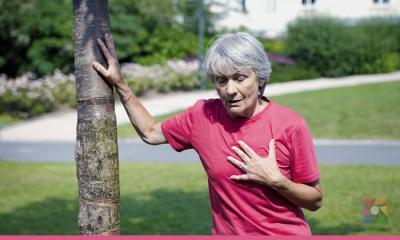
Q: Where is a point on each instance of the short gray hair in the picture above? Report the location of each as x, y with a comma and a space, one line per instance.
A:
230, 53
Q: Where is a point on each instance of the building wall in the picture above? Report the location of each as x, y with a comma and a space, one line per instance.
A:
271, 17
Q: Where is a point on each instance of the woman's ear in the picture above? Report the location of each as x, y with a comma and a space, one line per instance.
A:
261, 86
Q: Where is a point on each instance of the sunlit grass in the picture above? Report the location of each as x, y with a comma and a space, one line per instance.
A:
167, 198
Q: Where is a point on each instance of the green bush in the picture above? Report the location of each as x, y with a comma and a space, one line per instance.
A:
334, 48
25, 104
35, 35
291, 72
166, 44
26, 97
273, 45
138, 85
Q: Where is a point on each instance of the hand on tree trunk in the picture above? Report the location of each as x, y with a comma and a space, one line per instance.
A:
113, 73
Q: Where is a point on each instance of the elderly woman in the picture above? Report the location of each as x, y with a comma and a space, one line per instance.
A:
259, 156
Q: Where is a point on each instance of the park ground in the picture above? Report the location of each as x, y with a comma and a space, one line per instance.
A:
170, 198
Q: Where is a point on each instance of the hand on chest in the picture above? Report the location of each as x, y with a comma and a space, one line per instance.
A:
219, 168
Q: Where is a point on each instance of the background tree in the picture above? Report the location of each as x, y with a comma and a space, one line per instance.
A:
96, 150
35, 34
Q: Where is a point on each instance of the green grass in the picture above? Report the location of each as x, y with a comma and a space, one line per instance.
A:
163, 198
6, 119
367, 111
127, 130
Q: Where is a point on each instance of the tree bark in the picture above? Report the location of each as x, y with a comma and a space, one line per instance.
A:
96, 152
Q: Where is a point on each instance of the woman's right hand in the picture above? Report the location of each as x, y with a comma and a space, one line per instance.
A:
113, 73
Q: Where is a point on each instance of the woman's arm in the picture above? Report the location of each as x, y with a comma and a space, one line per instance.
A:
266, 171
144, 123
308, 196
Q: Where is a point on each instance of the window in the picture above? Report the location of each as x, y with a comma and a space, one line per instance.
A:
243, 6
308, 2
271, 6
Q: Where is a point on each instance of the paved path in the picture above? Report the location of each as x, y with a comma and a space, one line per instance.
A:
51, 138
370, 152
61, 126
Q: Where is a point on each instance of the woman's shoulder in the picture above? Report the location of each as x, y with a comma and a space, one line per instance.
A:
286, 115
211, 104
206, 107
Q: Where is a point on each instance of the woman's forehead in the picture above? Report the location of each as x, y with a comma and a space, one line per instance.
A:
231, 72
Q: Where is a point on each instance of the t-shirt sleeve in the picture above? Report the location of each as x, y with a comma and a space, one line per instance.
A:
179, 129
304, 167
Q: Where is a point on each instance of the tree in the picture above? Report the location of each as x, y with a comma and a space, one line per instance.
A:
96, 152
35, 35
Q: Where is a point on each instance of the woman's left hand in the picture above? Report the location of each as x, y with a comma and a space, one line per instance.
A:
263, 170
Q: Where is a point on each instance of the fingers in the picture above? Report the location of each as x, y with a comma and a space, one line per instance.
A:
241, 154
110, 44
106, 52
237, 163
99, 68
243, 177
250, 152
271, 150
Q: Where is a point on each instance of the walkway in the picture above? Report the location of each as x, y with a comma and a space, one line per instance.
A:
62, 126
51, 138
370, 152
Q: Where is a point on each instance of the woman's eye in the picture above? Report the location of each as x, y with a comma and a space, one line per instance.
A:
220, 80
241, 78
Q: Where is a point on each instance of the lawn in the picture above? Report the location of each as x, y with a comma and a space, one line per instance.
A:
6, 119
367, 111
166, 198
127, 131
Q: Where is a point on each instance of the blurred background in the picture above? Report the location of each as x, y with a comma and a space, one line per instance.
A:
160, 45
304, 40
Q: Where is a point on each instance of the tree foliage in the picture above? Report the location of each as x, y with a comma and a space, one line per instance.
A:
35, 35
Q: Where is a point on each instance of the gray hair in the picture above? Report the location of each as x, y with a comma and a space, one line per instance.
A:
230, 53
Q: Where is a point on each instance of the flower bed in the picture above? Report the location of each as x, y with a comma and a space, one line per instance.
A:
27, 96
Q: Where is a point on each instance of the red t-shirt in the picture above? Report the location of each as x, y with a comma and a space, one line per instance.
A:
244, 207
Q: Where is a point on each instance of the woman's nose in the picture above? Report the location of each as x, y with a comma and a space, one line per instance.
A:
231, 88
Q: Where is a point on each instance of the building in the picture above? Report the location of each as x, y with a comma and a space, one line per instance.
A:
271, 17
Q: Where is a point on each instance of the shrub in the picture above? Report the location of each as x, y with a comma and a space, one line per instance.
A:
35, 35
321, 43
334, 48
291, 72
174, 75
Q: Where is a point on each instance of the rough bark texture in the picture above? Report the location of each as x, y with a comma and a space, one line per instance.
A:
96, 152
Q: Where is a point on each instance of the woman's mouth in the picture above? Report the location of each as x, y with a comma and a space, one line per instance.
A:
232, 103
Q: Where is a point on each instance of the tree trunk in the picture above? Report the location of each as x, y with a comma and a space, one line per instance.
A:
96, 152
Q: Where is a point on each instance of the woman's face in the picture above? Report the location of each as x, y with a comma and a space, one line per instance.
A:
239, 93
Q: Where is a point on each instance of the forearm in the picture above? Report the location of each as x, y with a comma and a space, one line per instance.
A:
140, 118
301, 195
